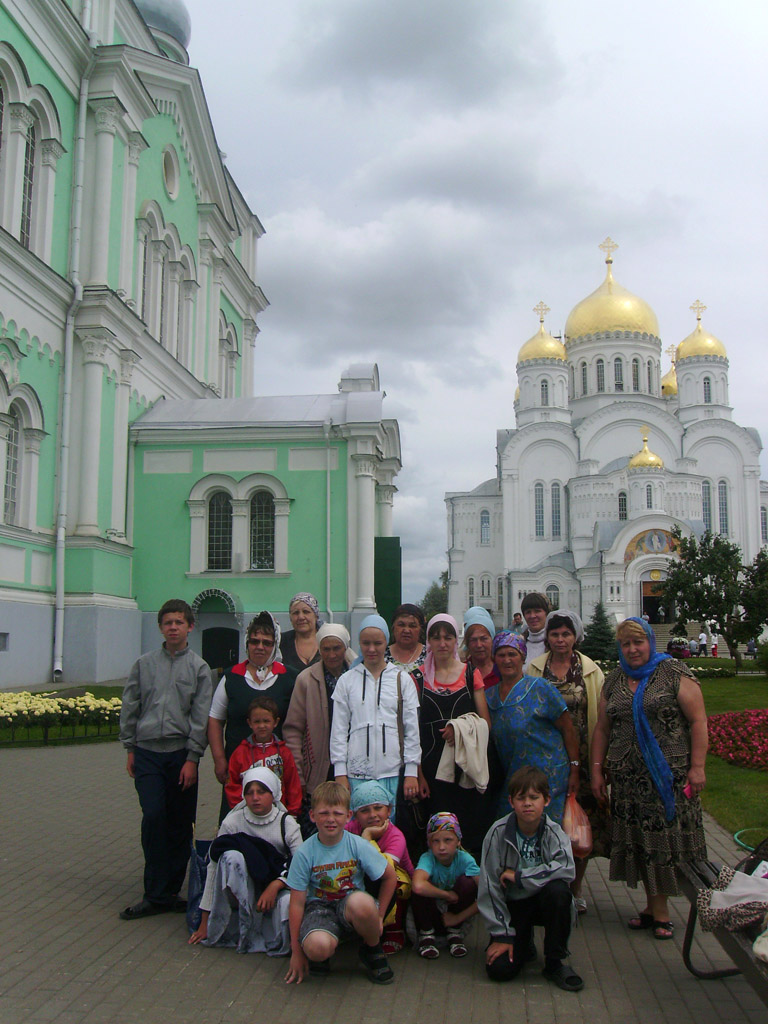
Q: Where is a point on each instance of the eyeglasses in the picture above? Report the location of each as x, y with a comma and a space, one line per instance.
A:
259, 643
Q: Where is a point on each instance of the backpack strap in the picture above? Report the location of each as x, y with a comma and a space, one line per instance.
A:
400, 725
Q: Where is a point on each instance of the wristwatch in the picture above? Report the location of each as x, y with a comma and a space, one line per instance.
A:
575, 763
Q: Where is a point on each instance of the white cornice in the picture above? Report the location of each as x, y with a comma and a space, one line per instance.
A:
31, 282
188, 433
57, 35
114, 76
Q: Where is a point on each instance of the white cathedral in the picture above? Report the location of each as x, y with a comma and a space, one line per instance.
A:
606, 458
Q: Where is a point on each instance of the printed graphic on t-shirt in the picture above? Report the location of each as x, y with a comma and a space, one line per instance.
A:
272, 761
333, 881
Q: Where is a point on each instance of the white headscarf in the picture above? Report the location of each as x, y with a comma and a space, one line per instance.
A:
333, 629
266, 777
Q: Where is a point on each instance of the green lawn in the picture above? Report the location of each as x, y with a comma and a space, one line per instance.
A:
736, 797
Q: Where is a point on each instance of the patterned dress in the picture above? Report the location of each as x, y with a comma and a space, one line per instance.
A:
645, 847
523, 730
574, 693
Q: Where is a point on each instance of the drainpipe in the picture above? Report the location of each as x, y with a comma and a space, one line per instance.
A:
69, 342
327, 424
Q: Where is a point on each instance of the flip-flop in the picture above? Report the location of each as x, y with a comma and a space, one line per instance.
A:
663, 930
640, 922
565, 978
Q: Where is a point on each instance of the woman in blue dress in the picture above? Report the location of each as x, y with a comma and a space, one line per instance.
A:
530, 724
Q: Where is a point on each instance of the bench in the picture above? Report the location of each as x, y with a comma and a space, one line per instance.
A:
693, 877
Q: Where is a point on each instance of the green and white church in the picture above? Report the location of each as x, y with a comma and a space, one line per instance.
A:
135, 462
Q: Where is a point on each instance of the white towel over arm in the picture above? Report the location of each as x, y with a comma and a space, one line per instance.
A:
469, 752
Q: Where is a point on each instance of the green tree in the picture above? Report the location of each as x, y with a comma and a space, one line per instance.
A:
599, 640
709, 583
435, 600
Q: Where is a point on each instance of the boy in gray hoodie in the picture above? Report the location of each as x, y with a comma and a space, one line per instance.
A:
163, 724
525, 876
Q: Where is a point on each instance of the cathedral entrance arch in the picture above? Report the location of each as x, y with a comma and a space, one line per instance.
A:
220, 621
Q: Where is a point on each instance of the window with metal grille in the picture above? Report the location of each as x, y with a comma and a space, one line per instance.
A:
635, 374
2, 113
262, 530
470, 591
12, 467
764, 525
648, 496
145, 271
600, 375
722, 507
485, 587
500, 594
583, 378
544, 393
485, 527
618, 375
27, 188
220, 532
622, 504
706, 504
650, 377
538, 509
553, 596
163, 300
555, 501
707, 391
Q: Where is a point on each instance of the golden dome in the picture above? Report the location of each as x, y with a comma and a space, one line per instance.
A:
700, 342
610, 308
542, 345
645, 458
669, 383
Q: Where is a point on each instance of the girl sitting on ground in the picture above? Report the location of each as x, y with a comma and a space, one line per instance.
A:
370, 806
247, 865
444, 888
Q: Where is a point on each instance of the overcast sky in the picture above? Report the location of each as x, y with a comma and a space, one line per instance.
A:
428, 170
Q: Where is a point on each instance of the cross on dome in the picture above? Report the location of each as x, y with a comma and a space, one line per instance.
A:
609, 247
541, 310
697, 308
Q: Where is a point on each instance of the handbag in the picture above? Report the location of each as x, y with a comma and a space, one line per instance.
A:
577, 827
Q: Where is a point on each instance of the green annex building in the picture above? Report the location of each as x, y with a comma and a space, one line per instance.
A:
135, 463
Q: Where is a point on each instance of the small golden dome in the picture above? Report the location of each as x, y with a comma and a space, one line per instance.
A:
645, 458
700, 342
669, 383
610, 308
542, 345
517, 393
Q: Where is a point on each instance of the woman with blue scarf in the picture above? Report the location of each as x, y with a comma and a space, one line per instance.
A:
650, 744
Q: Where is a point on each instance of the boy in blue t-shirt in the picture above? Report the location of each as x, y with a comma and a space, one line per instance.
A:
328, 897
445, 874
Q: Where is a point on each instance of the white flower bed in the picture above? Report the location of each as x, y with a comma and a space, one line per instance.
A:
25, 710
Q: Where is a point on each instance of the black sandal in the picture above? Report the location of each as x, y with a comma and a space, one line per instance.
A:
376, 965
641, 922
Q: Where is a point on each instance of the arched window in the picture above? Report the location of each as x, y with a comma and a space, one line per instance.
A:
485, 587
553, 596
470, 591
555, 501
500, 594
13, 451
618, 375
764, 524
635, 374
485, 527
544, 392
707, 391
648, 496
600, 375
583, 378
650, 377
262, 524
220, 532
622, 504
722, 507
573, 382
27, 188
538, 510
706, 504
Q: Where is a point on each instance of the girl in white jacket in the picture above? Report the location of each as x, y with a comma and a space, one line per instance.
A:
375, 728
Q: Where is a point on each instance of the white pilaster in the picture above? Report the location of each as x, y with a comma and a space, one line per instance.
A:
50, 153
94, 347
365, 469
108, 114
128, 360
136, 145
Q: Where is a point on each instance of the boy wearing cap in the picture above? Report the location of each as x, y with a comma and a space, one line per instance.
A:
163, 722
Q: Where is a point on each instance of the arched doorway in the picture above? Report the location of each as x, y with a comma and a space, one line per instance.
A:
221, 625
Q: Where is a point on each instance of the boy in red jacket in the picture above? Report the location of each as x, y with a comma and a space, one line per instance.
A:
262, 749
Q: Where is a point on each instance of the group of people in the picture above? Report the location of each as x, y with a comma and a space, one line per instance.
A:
430, 770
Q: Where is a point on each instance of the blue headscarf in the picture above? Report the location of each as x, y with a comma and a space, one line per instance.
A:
477, 616
656, 763
371, 621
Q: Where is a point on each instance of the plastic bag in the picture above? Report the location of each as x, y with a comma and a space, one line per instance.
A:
577, 827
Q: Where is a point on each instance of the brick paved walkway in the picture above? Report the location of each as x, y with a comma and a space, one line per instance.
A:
70, 859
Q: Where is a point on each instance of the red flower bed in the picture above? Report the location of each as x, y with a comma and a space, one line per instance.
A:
740, 737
